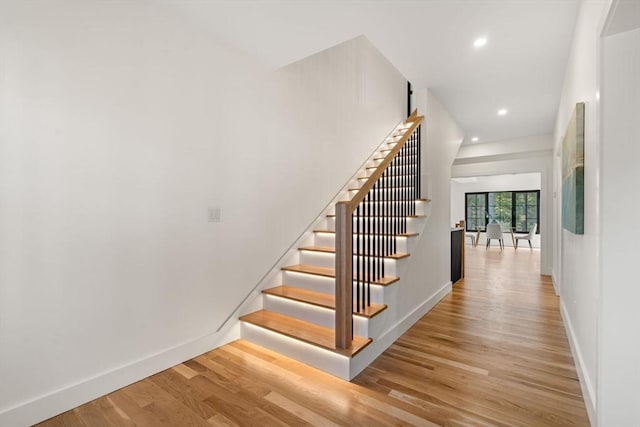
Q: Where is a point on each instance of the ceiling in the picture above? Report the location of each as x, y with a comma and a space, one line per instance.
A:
625, 16
521, 67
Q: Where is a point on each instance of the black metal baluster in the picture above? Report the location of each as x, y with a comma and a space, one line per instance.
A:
412, 179
406, 189
372, 258
419, 163
394, 205
387, 242
403, 162
374, 236
374, 219
365, 245
367, 206
417, 183
369, 272
412, 190
409, 183
383, 220
358, 260
376, 250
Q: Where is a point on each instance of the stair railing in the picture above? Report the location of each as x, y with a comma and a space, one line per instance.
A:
371, 222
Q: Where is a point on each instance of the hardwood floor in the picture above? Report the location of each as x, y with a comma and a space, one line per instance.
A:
492, 353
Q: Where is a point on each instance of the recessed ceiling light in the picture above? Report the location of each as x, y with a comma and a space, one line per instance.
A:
474, 139
479, 42
502, 111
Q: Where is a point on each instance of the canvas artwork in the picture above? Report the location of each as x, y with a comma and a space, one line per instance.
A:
573, 173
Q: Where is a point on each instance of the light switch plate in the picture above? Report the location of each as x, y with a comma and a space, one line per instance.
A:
215, 214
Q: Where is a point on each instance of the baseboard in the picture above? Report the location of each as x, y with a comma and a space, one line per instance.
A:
379, 345
586, 386
53, 403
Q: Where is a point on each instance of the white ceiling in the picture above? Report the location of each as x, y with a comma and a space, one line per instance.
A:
521, 68
624, 16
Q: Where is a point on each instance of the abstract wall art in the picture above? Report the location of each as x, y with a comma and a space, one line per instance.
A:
573, 173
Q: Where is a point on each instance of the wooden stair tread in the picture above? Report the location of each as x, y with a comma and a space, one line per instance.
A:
406, 216
385, 188
389, 202
395, 176
332, 250
311, 269
327, 249
376, 167
398, 235
386, 150
303, 331
320, 299
330, 272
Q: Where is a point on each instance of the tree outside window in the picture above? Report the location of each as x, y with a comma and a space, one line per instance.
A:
500, 206
518, 210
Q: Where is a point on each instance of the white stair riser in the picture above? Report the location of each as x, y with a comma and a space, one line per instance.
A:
328, 239
404, 190
414, 225
310, 313
406, 151
396, 181
320, 259
323, 259
319, 358
420, 208
411, 155
325, 239
310, 282
326, 285
397, 170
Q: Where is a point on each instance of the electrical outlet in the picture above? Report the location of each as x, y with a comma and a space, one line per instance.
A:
215, 214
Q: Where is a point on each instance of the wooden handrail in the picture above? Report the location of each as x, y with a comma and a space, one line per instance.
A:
373, 178
344, 241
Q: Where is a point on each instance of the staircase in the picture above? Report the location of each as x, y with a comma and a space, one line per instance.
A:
333, 298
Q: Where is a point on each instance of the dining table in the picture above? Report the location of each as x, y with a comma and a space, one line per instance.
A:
504, 230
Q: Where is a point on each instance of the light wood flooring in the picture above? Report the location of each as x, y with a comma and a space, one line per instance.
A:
492, 353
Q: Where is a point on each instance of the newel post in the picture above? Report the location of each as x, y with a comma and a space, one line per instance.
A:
344, 275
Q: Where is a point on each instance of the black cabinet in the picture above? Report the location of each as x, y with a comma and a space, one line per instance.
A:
457, 247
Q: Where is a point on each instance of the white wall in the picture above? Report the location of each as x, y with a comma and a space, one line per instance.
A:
121, 126
430, 261
618, 399
526, 146
511, 182
533, 154
576, 262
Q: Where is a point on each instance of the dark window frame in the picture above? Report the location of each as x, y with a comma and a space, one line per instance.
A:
514, 194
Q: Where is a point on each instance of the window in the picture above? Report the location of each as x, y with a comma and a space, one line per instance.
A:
519, 210
500, 207
526, 210
476, 208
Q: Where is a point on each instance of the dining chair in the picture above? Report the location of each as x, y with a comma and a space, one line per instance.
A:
472, 237
528, 237
494, 231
